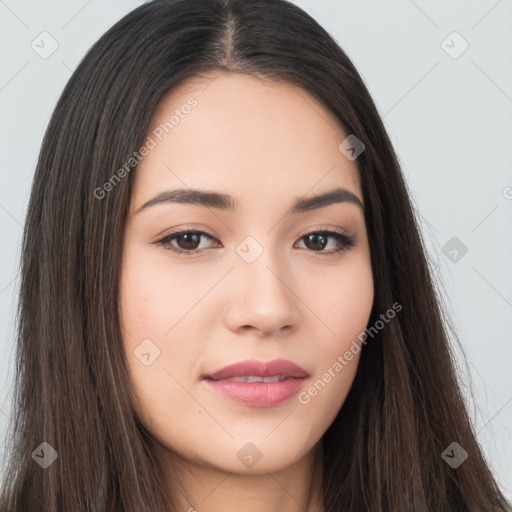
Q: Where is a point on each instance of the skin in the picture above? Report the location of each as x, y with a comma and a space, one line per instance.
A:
265, 143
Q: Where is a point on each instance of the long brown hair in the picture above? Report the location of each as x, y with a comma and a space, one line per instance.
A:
383, 451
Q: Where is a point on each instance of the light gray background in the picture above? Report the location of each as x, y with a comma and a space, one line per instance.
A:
449, 119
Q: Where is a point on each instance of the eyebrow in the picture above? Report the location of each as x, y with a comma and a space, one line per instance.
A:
226, 202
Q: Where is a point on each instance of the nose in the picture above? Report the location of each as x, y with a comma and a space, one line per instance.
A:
262, 298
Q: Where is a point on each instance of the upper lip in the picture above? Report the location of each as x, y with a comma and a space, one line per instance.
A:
259, 368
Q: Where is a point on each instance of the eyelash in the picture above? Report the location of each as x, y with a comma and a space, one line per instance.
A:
346, 242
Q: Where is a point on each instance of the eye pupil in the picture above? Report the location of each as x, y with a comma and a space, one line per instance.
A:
190, 238
315, 236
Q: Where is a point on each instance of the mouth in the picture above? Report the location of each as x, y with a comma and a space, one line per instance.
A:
254, 378
258, 384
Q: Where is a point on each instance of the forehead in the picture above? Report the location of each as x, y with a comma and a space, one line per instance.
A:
248, 137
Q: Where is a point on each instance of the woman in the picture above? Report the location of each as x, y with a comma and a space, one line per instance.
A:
225, 300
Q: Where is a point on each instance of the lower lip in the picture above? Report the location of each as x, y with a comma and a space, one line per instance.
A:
258, 394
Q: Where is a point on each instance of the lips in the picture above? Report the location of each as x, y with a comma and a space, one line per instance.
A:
258, 384
278, 369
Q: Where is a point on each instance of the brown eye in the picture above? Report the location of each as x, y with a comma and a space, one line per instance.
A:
317, 241
185, 242
188, 242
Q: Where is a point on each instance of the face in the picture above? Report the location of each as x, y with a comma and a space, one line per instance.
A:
253, 283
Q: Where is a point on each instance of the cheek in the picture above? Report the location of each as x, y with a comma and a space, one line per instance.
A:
148, 312
354, 294
153, 296
344, 306
342, 303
